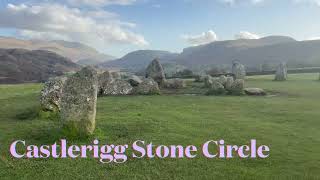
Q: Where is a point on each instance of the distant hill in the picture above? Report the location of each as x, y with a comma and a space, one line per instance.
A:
77, 52
254, 53
20, 65
138, 60
269, 51
95, 60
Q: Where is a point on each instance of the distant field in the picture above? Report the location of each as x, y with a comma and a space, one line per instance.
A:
288, 120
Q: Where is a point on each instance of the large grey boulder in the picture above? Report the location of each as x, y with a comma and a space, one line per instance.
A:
229, 83
281, 73
223, 80
51, 93
116, 75
255, 92
237, 87
216, 88
238, 70
199, 78
208, 81
156, 72
147, 87
104, 79
117, 87
175, 83
134, 80
78, 102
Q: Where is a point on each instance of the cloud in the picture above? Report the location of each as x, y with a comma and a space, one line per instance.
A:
313, 38
256, 1
156, 5
315, 2
246, 35
100, 3
42, 35
203, 38
232, 2
57, 21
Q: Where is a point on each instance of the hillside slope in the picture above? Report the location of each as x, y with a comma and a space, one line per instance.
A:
138, 60
20, 65
252, 53
77, 52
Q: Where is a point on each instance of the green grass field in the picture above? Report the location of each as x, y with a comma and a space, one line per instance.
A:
288, 122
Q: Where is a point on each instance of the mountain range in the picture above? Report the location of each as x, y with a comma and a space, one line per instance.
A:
253, 53
39, 60
77, 52
139, 59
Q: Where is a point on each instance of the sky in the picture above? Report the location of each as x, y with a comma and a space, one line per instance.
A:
117, 27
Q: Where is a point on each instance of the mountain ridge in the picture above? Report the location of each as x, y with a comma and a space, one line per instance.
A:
21, 65
253, 53
75, 51
137, 60
273, 49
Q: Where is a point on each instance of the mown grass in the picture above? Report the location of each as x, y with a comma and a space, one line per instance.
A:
287, 122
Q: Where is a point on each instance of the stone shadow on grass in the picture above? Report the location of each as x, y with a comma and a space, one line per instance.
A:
50, 134
28, 114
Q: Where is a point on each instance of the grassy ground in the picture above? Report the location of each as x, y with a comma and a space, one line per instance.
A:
288, 122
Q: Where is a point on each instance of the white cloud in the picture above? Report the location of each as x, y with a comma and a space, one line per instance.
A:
256, 1
232, 2
203, 38
313, 38
246, 35
56, 21
156, 5
99, 3
42, 35
228, 1
316, 2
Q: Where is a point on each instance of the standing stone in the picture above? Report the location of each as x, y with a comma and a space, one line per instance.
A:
78, 102
208, 81
134, 80
216, 88
237, 87
156, 72
223, 80
238, 70
147, 87
116, 75
51, 93
199, 78
281, 73
104, 79
229, 83
117, 87
175, 83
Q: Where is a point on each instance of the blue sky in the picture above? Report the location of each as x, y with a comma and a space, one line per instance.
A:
117, 27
